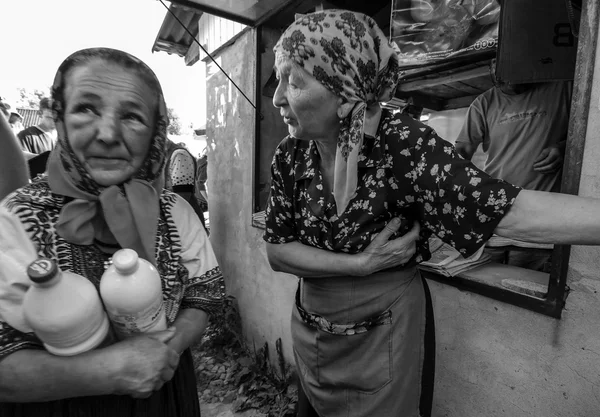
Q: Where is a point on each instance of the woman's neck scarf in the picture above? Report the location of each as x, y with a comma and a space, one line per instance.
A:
124, 215
347, 53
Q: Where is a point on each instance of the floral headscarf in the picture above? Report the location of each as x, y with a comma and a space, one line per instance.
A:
347, 53
130, 210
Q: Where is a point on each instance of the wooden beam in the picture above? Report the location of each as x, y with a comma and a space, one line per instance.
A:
192, 55
422, 100
459, 102
447, 79
171, 47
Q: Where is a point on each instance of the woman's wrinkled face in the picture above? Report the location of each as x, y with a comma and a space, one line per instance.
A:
307, 107
109, 120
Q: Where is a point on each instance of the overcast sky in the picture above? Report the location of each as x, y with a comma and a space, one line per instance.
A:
40, 34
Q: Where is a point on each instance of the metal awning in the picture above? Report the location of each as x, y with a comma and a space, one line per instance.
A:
248, 12
172, 37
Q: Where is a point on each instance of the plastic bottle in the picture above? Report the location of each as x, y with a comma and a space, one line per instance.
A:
132, 293
64, 310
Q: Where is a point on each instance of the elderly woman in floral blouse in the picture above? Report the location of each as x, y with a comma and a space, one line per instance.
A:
350, 184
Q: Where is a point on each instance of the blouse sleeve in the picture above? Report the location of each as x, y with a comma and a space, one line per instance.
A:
205, 287
16, 253
279, 214
455, 200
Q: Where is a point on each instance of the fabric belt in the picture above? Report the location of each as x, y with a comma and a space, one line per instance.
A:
321, 323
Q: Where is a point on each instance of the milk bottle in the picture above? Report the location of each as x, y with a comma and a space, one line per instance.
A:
132, 293
64, 310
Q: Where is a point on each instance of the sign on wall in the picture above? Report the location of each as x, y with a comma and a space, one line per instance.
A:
541, 49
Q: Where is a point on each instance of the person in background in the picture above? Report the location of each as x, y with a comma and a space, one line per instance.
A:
5, 108
16, 121
522, 129
349, 177
103, 192
42, 137
13, 166
201, 178
180, 174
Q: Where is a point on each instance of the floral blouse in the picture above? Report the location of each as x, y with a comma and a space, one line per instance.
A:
406, 171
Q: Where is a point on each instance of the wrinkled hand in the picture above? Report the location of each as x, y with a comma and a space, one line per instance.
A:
143, 363
549, 160
383, 253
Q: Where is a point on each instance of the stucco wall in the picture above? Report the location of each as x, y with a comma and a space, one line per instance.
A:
264, 297
497, 360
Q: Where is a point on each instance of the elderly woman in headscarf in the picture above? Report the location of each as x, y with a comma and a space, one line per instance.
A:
104, 191
350, 186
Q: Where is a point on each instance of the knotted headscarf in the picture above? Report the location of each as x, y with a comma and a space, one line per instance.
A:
125, 214
347, 53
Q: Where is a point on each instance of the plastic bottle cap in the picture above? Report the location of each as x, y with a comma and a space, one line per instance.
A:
125, 261
42, 270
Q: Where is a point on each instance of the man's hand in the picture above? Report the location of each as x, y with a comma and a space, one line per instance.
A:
383, 253
549, 160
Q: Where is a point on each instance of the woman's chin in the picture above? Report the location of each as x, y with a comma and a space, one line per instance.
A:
108, 178
295, 132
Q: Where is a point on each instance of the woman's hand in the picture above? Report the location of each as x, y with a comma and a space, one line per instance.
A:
383, 253
142, 364
309, 262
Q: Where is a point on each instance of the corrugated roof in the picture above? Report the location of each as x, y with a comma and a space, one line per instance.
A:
172, 37
31, 117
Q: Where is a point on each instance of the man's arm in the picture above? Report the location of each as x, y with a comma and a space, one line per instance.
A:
465, 149
473, 131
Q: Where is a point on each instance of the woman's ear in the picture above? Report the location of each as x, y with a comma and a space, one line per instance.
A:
344, 109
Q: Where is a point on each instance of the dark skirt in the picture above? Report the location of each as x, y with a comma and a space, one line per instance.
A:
177, 398
328, 389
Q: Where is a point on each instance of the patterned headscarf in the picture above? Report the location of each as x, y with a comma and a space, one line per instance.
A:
347, 53
130, 210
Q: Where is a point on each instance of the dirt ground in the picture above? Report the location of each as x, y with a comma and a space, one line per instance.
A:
236, 381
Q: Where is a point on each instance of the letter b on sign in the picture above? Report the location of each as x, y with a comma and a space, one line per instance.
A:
563, 35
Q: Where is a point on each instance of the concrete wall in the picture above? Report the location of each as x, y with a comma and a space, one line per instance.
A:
493, 359
499, 360
265, 298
